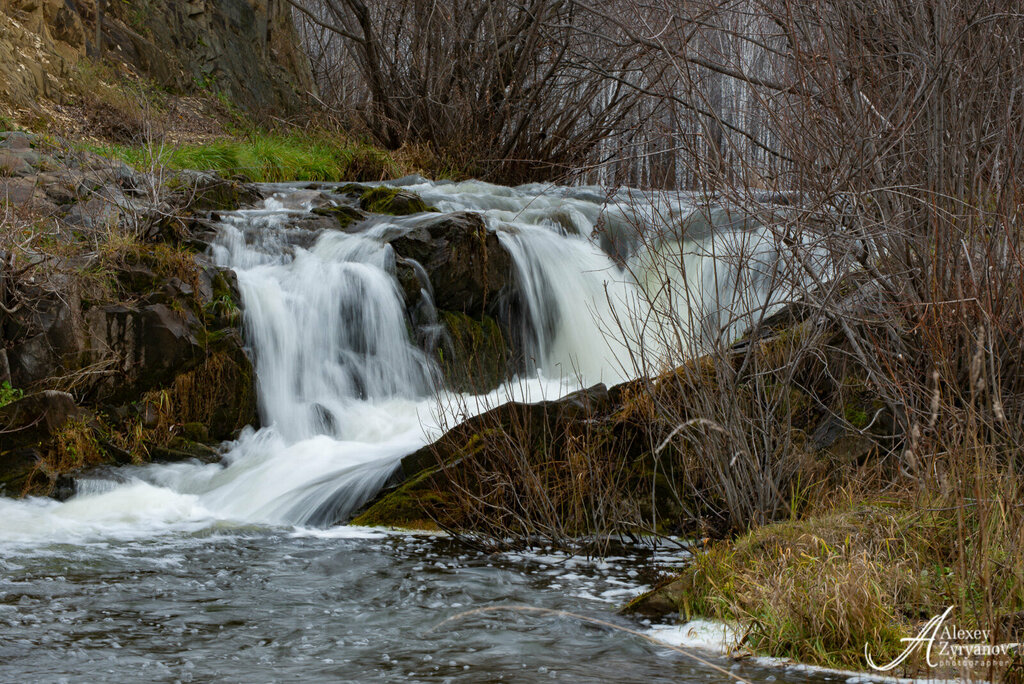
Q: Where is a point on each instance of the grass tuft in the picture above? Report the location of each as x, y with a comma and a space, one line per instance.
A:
268, 158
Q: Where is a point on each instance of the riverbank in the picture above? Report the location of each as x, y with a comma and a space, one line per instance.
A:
857, 558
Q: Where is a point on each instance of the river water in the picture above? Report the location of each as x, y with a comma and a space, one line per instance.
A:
236, 571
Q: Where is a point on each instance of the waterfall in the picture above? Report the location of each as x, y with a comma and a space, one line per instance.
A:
345, 393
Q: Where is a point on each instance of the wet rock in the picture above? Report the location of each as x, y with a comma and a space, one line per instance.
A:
386, 199
467, 265
185, 450
343, 215
473, 354
421, 490
393, 201
664, 600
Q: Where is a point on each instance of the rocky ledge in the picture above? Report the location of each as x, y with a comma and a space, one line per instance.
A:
119, 341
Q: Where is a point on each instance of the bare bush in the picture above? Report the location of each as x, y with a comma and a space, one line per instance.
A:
512, 91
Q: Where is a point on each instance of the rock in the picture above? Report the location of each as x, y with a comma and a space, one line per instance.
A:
18, 192
52, 336
17, 140
246, 49
473, 355
144, 330
467, 265
25, 426
199, 191
96, 212
420, 490
143, 347
16, 467
37, 415
185, 450
168, 343
456, 275
14, 165
387, 200
664, 600
345, 216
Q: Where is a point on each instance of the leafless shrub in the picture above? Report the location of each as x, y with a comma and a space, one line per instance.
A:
507, 90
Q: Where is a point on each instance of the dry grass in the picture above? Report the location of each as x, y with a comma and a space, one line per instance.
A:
818, 588
75, 447
542, 473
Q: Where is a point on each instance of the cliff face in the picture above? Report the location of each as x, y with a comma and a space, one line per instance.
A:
245, 49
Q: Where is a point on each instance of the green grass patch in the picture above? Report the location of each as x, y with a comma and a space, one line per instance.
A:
267, 158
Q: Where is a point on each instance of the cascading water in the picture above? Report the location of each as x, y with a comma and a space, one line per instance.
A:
345, 393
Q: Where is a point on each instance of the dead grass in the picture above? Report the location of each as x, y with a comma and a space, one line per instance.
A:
75, 446
818, 589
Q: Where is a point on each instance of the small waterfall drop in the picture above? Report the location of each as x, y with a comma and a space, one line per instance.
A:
345, 392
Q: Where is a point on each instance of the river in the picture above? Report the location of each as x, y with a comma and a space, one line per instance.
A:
236, 571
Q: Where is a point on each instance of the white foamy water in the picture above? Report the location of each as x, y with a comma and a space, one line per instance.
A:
345, 394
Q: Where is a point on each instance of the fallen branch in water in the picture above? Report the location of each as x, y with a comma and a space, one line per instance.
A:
593, 621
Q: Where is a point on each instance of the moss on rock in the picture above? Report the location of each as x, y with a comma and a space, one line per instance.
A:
383, 199
415, 505
344, 215
474, 356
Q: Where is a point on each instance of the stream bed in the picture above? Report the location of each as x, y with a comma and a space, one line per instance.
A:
216, 604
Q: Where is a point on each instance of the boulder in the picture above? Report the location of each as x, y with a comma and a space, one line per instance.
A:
49, 333
26, 425
466, 264
473, 354
142, 347
424, 490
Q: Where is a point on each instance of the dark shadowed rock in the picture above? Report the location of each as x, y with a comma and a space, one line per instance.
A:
25, 425
467, 265
145, 347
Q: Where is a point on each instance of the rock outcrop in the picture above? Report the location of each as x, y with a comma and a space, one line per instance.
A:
123, 338
245, 49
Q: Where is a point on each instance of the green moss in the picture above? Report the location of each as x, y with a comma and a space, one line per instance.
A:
476, 358
9, 394
393, 201
409, 506
344, 215
856, 416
